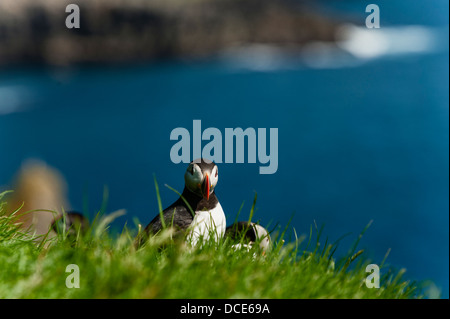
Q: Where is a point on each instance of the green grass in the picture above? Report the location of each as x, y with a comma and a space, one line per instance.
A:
110, 267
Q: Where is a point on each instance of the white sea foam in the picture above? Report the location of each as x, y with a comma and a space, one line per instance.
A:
354, 46
366, 43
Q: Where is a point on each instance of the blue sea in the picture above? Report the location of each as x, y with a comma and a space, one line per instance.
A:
360, 138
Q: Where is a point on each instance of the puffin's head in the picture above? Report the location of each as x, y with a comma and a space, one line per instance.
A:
201, 177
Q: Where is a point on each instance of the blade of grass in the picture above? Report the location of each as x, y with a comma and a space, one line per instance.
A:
239, 212
252, 210
160, 209
385, 257
352, 251
105, 199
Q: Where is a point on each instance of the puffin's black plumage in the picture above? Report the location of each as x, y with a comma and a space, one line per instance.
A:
240, 230
178, 215
249, 233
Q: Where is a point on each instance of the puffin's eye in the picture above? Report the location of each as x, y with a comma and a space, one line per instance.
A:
191, 169
217, 172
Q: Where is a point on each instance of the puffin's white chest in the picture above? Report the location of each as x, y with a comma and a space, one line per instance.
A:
207, 223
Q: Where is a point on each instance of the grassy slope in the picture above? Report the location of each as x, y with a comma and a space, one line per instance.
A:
112, 268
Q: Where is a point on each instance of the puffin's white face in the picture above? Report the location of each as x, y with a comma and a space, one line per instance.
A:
214, 177
201, 182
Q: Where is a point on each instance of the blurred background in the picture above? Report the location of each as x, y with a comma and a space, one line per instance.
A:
362, 113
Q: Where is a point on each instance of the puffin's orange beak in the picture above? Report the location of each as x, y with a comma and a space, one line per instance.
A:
206, 188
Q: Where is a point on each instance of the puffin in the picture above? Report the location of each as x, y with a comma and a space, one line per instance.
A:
42, 191
197, 213
247, 234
